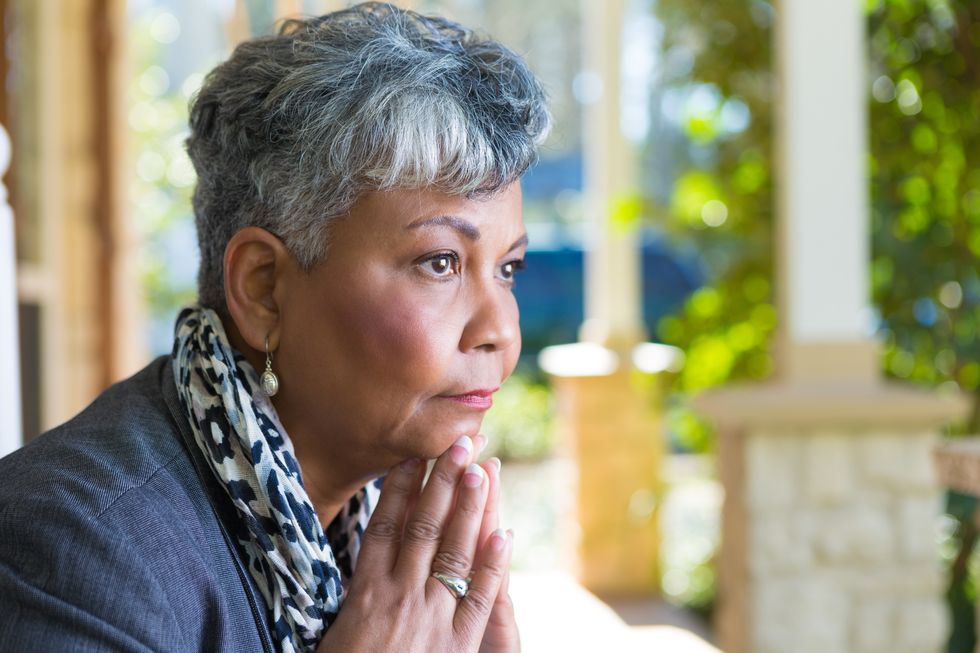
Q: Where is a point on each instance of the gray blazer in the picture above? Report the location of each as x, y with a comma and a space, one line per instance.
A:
114, 536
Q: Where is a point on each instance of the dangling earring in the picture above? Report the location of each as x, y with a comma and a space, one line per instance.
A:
270, 382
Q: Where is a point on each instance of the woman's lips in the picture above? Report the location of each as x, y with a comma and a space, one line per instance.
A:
478, 399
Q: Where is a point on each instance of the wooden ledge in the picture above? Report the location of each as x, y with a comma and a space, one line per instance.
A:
849, 405
958, 464
587, 359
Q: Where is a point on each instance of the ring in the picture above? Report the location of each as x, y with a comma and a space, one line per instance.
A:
458, 586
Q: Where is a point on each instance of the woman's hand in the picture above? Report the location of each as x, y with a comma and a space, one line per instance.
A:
394, 603
501, 635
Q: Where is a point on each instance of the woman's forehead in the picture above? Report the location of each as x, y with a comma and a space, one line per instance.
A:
417, 209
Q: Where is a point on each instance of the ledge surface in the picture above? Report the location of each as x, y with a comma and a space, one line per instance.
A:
831, 404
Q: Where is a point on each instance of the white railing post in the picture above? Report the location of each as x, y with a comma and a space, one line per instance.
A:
11, 436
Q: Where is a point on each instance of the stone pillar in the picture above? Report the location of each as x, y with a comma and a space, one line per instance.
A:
829, 522
831, 502
610, 415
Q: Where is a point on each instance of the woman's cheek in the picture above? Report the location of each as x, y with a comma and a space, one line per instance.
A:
415, 334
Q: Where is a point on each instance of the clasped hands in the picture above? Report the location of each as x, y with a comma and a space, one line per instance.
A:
449, 526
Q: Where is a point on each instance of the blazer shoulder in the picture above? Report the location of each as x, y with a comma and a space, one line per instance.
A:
70, 582
107, 528
124, 437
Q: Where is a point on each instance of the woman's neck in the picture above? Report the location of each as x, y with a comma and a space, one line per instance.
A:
329, 488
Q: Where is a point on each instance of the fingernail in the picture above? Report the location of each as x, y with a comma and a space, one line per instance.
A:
498, 539
409, 465
474, 476
461, 449
496, 462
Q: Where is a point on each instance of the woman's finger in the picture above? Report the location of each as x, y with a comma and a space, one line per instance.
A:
491, 514
424, 527
479, 444
505, 583
501, 635
458, 547
382, 538
503, 604
473, 610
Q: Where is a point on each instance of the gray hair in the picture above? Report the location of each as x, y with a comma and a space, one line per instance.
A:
291, 129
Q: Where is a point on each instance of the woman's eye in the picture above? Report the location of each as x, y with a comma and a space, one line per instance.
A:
441, 265
510, 268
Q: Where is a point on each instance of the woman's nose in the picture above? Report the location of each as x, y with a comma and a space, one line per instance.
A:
494, 324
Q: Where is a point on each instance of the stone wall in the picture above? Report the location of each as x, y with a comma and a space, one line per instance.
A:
839, 541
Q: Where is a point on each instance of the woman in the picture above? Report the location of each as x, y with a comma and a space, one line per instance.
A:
359, 215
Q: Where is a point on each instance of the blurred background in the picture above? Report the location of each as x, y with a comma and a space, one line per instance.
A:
751, 365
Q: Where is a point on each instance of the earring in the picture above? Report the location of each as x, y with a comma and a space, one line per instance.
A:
270, 382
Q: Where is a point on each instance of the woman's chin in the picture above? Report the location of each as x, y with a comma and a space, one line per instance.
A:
434, 443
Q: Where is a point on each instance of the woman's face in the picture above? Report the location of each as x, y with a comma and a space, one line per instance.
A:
392, 347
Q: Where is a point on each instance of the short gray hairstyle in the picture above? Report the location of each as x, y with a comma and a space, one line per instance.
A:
291, 129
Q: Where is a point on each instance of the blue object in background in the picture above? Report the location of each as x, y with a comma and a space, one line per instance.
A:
550, 292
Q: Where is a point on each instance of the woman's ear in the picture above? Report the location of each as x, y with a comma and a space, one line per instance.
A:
255, 262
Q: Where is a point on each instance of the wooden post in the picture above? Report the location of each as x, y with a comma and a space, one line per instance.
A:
612, 419
613, 297
91, 331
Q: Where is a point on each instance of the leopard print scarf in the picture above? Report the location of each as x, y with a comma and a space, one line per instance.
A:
300, 569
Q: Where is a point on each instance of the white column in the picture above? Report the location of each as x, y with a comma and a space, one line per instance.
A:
823, 202
10, 426
823, 140
613, 297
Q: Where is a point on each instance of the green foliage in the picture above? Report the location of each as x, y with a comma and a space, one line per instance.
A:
717, 58
689, 518
925, 186
691, 581
164, 177
958, 537
520, 426
689, 431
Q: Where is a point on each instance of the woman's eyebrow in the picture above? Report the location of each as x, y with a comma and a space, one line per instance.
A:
459, 224
466, 228
519, 242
